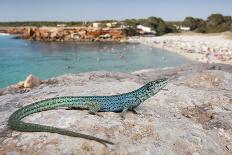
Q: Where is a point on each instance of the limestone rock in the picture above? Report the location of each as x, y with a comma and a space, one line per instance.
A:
186, 118
68, 33
19, 85
31, 81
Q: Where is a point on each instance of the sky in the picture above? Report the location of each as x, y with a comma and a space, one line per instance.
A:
90, 10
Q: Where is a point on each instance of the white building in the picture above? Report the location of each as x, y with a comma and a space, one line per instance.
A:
60, 25
146, 30
113, 24
97, 25
183, 28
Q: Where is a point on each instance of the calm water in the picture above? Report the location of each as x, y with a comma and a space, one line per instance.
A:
18, 58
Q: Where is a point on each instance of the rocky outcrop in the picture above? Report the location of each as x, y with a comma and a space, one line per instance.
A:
23, 86
68, 33
193, 116
31, 81
13, 30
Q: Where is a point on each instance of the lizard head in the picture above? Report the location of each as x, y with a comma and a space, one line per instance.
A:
158, 84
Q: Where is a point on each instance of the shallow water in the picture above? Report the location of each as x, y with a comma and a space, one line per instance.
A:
18, 58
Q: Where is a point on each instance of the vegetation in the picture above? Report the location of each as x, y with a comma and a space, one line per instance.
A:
129, 31
214, 23
157, 24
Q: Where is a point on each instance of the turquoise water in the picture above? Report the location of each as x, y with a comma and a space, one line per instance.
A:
19, 58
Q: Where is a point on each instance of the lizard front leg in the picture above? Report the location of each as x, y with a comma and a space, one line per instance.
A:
134, 111
123, 113
125, 109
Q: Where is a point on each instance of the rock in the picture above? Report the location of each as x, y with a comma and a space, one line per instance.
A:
229, 147
31, 81
186, 119
68, 33
20, 85
105, 36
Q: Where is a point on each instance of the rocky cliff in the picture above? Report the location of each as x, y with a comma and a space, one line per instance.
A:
192, 117
67, 33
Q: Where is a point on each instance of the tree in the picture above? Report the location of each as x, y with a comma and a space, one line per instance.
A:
218, 23
193, 23
215, 19
130, 31
214, 23
130, 22
156, 24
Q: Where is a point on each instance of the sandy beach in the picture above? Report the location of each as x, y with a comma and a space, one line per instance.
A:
197, 47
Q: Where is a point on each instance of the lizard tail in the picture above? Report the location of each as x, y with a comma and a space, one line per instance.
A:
30, 127
15, 122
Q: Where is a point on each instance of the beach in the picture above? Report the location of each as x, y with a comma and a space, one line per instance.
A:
197, 47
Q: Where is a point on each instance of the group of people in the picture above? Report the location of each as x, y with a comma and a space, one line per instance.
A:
211, 48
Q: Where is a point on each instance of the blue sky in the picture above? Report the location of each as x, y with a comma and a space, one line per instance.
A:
76, 10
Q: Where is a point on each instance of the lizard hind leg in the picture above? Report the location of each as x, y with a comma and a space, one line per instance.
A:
94, 107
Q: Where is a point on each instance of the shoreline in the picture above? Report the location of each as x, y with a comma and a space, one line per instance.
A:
206, 49
36, 81
61, 34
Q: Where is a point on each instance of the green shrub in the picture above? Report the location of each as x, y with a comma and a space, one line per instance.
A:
214, 23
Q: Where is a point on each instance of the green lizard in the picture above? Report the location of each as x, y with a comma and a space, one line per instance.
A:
115, 103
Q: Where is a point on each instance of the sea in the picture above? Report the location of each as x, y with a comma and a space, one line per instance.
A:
19, 58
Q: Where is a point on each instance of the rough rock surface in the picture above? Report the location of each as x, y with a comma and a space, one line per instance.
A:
194, 116
31, 81
67, 33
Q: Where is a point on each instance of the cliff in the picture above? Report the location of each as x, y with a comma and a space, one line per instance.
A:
67, 33
192, 117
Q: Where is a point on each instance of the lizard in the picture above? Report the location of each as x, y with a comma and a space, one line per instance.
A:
114, 103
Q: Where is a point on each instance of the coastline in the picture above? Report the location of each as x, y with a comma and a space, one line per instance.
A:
60, 34
198, 48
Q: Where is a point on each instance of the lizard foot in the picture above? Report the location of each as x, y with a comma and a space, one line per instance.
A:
134, 111
122, 115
